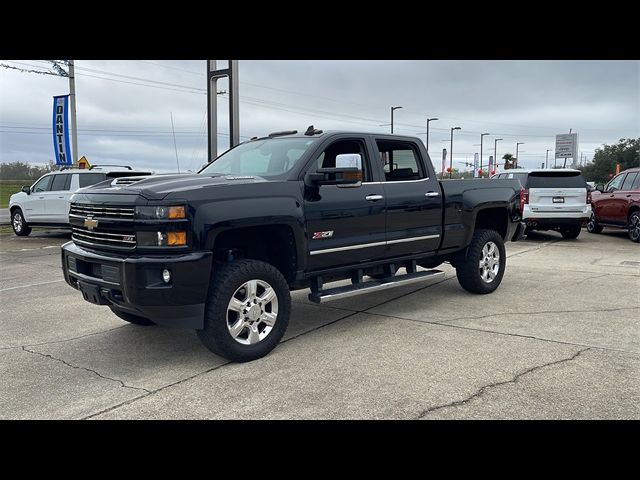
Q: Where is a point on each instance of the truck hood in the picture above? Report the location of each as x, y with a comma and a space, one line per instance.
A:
157, 187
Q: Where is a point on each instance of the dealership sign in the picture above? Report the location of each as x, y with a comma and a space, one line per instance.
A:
61, 130
566, 145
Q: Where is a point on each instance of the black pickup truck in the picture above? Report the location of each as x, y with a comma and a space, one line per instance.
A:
219, 251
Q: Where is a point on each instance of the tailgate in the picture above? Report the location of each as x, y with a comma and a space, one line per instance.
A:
557, 199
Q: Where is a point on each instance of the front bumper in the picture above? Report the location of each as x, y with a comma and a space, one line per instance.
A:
134, 284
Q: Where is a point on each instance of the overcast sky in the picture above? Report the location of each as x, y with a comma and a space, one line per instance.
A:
124, 107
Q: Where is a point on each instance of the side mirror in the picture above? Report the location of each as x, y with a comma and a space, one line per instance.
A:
26, 189
600, 187
347, 172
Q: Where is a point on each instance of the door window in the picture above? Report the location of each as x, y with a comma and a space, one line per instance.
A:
400, 161
327, 159
616, 183
629, 181
42, 185
60, 182
636, 184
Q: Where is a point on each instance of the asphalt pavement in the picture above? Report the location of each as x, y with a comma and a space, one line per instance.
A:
560, 339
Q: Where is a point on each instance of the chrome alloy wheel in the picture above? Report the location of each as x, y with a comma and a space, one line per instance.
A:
17, 222
252, 312
489, 262
591, 226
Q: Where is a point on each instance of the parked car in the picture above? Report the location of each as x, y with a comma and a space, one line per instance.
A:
617, 204
554, 199
220, 251
46, 202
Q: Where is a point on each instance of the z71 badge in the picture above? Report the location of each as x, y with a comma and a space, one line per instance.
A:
321, 235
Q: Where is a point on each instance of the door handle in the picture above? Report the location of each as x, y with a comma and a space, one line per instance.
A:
60, 197
628, 195
611, 196
373, 198
432, 194
41, 197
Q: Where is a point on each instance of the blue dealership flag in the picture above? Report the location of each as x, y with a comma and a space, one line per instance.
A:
61, 130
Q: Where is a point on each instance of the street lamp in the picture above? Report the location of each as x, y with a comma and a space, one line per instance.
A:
517, 145
546, 160
429, 120
392, 109
481, 138
495, 153
451, 150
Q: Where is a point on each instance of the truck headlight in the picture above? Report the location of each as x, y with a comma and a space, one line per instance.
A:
161, 212
162, 239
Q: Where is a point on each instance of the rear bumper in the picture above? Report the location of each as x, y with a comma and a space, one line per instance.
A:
134, 284
550, 220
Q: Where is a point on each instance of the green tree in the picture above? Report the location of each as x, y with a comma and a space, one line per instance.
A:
626, 152
24, 171
508, 161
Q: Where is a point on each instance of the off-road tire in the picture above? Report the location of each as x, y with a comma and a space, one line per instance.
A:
225, 280
467, 264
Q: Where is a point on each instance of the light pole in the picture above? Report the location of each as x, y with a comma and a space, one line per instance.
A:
517, 145
546, 160
495, 152
392, 109
429, 120
482, 138
451, 151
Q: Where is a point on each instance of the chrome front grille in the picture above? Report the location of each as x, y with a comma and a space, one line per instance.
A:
97, 211
103, 238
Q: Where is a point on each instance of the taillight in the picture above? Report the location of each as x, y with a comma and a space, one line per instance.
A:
588, 197
524, 198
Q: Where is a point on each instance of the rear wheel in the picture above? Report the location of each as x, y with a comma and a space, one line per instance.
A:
135, 319
247, 310
19, 224
593, 226
482, 268
634, 226
570, 233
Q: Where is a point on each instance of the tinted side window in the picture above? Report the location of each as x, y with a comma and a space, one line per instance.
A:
59, 182
616, 183
556, 180
87, 179
636, 184
400, 160
327, 159
42, 185
629, 181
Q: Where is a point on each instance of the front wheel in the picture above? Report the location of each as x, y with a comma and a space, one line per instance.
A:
593, 226
247, 310
569, 233
19, 224
482, 268
634, 226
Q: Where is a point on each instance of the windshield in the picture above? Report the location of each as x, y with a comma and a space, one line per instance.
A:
265, 158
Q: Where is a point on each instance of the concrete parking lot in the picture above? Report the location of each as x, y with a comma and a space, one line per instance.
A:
560, 339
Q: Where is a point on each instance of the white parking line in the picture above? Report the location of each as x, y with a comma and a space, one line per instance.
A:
30, 285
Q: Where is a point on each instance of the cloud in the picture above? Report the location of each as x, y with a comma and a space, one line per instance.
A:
520, 101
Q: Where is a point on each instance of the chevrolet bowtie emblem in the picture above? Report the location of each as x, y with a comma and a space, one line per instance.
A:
90, 223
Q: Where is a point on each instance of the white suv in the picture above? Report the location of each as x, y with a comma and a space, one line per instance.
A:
46, 202
553, 199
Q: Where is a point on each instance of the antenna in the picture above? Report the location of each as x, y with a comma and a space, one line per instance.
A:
174, 141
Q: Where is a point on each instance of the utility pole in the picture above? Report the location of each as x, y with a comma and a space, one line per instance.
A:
392, 110
74, 124
213, 74
517, 160
451, 151
482, 138
546, 161
429, 120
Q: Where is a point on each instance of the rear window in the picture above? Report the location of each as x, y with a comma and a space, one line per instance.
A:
556, 180
87, 179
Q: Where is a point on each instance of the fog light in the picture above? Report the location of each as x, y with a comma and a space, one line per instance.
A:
166, 275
